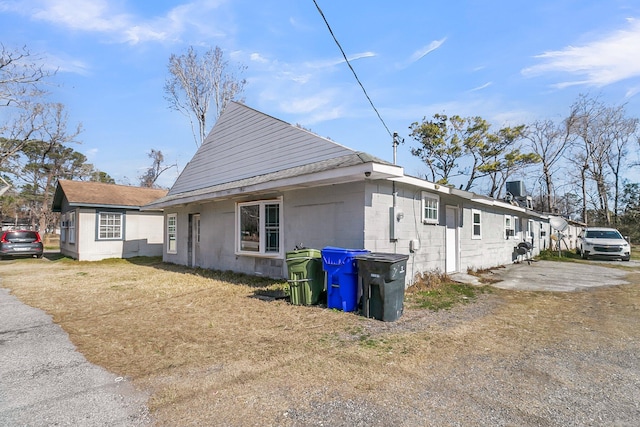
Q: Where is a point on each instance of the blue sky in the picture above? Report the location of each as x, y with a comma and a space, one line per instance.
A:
510, 62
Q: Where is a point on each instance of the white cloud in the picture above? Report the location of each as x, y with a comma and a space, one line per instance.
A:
631, 92
484, 86
613, 58
81, 15
106, 17
361, 55
295, 23
256, 57
329, 63
91, 153
306, 105
421, 53
65, 64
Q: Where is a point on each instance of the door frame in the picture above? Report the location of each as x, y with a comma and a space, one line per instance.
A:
452, 239
194, 239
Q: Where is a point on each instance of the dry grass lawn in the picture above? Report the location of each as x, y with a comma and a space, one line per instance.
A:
210, 353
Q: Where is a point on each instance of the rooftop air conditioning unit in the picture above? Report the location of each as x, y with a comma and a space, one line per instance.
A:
516, 188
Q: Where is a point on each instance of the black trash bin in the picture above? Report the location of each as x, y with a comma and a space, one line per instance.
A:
381, 277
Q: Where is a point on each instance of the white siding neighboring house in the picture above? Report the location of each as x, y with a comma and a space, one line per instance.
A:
100, 221
258, 186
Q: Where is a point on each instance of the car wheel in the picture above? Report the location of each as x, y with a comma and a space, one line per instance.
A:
626, 258
585, 255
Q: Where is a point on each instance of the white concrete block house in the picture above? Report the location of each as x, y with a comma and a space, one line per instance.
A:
100, 221
258, 186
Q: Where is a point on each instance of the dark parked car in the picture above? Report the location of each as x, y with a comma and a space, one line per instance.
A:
20, 243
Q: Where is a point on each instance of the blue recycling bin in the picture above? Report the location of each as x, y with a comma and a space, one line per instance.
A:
341, 269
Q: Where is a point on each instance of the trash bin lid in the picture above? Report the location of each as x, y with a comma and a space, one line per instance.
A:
304, 253
383, 257
344, 250
339, 256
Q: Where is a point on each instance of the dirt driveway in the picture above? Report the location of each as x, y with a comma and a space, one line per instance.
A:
209, 353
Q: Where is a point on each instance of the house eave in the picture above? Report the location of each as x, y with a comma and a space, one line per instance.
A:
360, 172
100, 206
468, 195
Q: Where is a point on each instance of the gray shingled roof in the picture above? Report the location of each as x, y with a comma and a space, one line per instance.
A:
357, 158
245, 143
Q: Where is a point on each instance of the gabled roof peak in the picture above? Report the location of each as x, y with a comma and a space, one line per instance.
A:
245, 143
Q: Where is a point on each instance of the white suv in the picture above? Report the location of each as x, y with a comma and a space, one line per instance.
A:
603, 242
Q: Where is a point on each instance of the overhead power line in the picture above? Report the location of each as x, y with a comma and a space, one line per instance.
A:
352, 70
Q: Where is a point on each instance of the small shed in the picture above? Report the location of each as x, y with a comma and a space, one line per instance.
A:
99, 221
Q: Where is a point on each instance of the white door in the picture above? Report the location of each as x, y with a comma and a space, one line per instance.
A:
451, 240
195, 240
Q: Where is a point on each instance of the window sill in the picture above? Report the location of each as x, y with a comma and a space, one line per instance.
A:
260, 255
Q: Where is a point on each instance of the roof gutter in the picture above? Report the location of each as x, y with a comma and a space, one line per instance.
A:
365, 171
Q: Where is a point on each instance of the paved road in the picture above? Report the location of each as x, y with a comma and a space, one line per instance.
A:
44, 381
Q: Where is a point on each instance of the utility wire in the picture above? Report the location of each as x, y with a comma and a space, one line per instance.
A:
352, 70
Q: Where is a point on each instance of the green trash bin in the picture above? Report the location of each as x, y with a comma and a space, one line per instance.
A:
306, 277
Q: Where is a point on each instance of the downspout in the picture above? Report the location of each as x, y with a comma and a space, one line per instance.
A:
394, 192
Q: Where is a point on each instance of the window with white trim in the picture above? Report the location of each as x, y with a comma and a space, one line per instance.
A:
110, 225
508, 227
172, 233
517, 227
72, 227
430, 208
258, 227
530, 228
476, 221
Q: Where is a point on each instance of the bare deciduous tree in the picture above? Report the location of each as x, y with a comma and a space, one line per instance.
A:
20, 74
157, 168
549, 141
54, 135
603, 132
621, 134
25, 125
194, 82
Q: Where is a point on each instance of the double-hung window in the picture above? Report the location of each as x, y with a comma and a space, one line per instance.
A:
530, 228
430, 207
508, 226
110, 225
71, 222
172, 233
476, 221
258, 227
